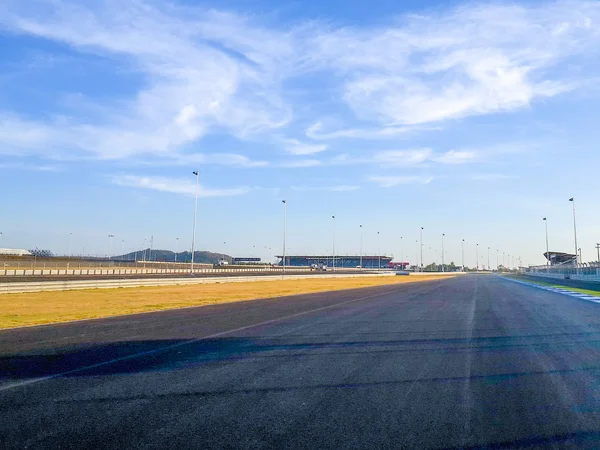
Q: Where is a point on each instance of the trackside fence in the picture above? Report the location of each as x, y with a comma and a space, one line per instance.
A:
581, 272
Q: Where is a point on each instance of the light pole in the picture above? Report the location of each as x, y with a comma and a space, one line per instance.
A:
477, 256
194, 232
176, 247
110, 236
284, 224
463, 255
421, 249
70, 244
333, 242
572, 200
122, 248
497, 253
443, 234
597, 249
378, 250
547, 251
402, 253
417, 254
361, 246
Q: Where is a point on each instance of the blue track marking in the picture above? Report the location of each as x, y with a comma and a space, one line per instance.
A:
579, 295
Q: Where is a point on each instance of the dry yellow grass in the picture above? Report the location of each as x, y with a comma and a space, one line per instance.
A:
37, 308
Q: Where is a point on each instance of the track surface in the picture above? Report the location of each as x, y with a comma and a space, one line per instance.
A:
473, 361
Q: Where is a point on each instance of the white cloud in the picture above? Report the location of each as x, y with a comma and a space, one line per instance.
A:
390, 181
220, 159
456, 157
190, 86
295, 147
476, 59
491, 177
300, 163
339, 188
411, 157
403, 157
30, 167
315, 131
175, 186
203, 71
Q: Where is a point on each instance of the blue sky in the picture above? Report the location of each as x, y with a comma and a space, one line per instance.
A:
470, 119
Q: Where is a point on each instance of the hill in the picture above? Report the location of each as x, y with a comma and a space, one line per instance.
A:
169, 256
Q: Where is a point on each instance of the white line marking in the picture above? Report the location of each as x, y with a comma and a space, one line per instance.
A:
180, 344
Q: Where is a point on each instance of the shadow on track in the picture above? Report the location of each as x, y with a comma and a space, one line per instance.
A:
164, 355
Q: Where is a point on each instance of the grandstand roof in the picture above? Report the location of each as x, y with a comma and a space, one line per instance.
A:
559, 257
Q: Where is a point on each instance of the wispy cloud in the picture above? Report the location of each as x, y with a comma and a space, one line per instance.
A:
221, 159
477, 59
491, 177
406, 158
315, 131
295, 147
190, 87
203, 71
390, 181
175, 186
300, 163
339, 188
30, 167
403, 157
457, 157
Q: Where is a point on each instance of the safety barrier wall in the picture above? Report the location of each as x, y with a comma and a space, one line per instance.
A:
141, 271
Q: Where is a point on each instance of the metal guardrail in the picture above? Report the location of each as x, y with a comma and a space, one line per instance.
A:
561, 276
585, 271
66, 285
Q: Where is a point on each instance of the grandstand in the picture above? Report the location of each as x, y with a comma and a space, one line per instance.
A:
368, 262
41, 253
560, 258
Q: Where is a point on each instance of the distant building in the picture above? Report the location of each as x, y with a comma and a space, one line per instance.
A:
368, 262
242, 260
14, 252
398, 265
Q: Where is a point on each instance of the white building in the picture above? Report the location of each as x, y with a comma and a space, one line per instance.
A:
14, 252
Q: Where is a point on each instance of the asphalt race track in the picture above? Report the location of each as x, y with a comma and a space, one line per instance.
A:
473, 361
